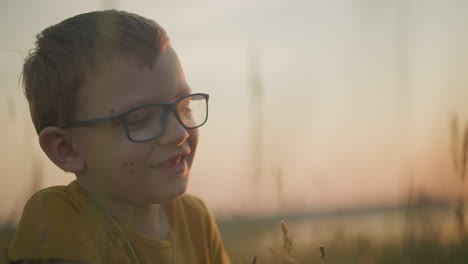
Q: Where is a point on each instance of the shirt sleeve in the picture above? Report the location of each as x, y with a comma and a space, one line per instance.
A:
52, 227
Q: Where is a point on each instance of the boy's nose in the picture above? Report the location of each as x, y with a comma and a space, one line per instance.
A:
174, 133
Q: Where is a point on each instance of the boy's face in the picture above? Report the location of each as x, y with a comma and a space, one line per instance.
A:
122, 170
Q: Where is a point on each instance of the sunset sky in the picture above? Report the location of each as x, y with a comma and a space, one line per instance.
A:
357, 97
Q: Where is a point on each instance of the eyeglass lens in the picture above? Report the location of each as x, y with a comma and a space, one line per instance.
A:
148, 122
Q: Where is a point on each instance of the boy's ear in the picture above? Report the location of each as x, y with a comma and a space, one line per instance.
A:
60, 149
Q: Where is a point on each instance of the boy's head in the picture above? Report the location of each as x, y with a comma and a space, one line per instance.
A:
65, 53
104, 66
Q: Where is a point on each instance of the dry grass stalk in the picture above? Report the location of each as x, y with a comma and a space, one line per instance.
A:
254, 260
288, 244
280, 258
459, 151
464, 158
460, 162
454, 145
460, 209
323, 255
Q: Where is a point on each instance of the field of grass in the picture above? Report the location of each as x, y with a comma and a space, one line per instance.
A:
361, 250
421, 241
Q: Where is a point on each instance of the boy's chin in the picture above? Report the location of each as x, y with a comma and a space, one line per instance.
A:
177, 191
170, 194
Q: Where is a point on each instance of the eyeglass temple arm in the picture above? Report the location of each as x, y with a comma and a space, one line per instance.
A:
93, 122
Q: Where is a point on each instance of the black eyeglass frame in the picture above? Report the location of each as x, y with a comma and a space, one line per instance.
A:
167, 108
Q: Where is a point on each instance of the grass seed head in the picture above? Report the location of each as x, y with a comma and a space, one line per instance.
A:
323, 255
288, 244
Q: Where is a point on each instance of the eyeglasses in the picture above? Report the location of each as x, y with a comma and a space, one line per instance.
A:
147, 122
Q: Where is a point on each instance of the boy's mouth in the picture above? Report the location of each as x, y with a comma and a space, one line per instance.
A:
175, 166
177, 159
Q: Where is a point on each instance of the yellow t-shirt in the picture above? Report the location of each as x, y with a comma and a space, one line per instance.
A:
61, 222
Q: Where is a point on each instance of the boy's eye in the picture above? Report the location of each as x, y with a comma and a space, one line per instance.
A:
138, 123
116, 123
144, 117
185, 111
184, 108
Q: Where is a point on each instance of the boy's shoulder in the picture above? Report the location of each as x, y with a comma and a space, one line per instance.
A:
193, 201
193, 211
59, 202
54, 223
43, 196
58, 191
60, 207
201, 226
66, 201
191, 206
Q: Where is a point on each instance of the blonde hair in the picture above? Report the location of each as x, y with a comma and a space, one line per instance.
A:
56, 68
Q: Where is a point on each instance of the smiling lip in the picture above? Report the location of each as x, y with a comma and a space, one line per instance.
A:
175, 165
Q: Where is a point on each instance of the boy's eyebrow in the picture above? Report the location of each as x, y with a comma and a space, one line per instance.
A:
117, 110
185, 91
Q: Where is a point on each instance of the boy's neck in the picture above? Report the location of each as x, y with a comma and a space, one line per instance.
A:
150, 220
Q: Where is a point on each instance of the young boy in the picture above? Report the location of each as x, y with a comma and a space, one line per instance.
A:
110, 103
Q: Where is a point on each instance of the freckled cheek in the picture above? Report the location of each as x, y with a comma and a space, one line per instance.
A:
128, 167
134, 159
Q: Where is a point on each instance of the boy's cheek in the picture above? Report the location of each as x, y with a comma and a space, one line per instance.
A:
131, 158
128, 168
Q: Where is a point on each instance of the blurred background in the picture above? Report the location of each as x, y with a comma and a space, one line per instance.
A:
346, 118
